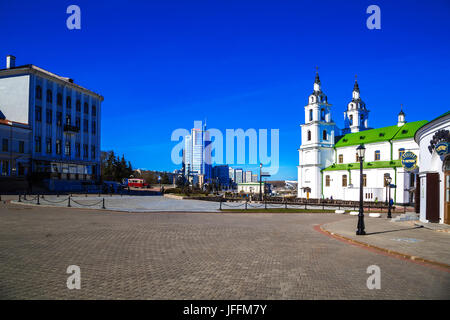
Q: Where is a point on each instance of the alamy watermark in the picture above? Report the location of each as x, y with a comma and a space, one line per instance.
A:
374, 20
74, 20
374, 280
74, 280
237, 141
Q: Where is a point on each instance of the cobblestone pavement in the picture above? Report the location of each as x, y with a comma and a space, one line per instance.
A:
194, 256
403, 237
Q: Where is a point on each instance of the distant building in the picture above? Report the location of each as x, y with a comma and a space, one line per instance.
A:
231, 173
238, 175
221, 174
248, 176
197, 159
251, 187
254, 178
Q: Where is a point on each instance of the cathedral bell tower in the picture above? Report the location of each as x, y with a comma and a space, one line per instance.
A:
356, 117
316, 151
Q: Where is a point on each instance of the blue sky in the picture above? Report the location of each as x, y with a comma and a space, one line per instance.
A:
161, 65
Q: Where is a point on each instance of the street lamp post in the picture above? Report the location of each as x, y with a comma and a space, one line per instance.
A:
389, 180
361, 151
260, 181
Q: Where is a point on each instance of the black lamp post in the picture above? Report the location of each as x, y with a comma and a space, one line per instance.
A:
260, 181
361, 151
389, 180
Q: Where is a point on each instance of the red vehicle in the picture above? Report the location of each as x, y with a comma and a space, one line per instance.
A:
137, 183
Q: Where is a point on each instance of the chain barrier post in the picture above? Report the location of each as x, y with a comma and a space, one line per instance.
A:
220, 207
265, 204
38, 199
68, 202
103, 205
20, 200
246, 204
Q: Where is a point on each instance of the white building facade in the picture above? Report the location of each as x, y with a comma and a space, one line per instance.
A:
434, 187
328, 164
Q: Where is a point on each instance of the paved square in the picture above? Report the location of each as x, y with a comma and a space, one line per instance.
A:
194, 256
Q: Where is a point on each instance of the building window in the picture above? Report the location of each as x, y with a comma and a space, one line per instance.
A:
67, 148
59, 119
68, 120
85, 125
341, 158
310, 115
5, 144
68, 102
357, 157
94, 110
4, 164
309, 135
78, 123
327, 181
364, 180
85, 151
37, 144
344, 180
94, 129
401, 152
21, 146
59, 99
49, 96
38, 114
86, 108
48, 148
322, 114
48, 116
351, 119
92, 152
78, 105
377, 155
58, 146
77, 150
38, 92
324, 134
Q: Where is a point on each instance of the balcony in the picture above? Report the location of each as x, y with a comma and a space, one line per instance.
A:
69, 129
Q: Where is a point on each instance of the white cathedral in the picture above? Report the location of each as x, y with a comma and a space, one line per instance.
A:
328, 163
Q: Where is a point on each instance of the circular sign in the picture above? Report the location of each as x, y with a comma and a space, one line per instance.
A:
442, 148
409, 161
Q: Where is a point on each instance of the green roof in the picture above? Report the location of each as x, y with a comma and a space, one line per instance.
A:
381, 134
366, 165
409, 129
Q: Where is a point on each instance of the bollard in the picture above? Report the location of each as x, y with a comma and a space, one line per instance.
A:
245, 204
68, 202
103, 206
38, 199
20, 200
220, 207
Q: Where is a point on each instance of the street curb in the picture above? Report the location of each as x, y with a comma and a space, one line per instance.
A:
405, 256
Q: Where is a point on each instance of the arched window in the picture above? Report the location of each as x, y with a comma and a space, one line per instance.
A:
322, 114
344, 180
324, 134
49, 96
357, 157
377, 155
401, 152
38, 92
310, 115
364, 180
309, 135
351, 119
68, 102
327, 181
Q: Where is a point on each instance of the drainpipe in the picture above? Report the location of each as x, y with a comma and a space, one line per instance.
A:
395, 182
